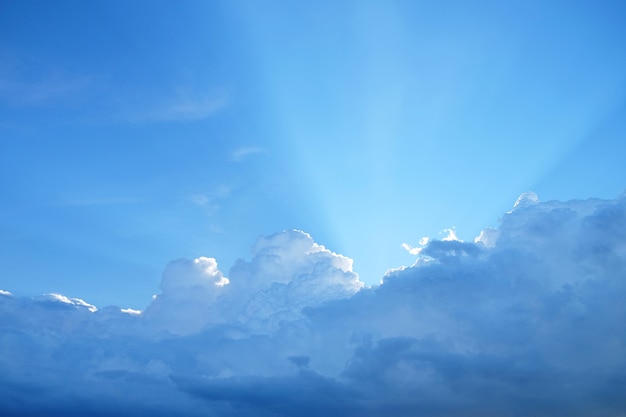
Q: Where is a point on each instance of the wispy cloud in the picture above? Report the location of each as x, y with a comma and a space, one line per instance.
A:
243, 152
208, 204
188, 109
180, 106
27, 82
210, 201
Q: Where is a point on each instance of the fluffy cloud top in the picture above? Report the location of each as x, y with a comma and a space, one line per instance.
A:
526, 320
288, 272
189, 290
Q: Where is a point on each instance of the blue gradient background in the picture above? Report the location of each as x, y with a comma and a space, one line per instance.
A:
135, 133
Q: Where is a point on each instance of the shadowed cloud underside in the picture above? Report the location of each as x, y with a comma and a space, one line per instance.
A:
526, 320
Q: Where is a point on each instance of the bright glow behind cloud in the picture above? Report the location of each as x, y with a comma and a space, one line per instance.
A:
527, 320
76, 302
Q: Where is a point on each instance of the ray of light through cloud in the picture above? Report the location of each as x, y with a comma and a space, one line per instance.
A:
378, 157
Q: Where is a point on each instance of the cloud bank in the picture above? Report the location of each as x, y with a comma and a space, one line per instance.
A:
526, 320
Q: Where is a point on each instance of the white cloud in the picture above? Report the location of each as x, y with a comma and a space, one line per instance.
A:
188, 291
451, 235
488, 237
287, 273
7, 293
415, 250
529, 317
76, 302
131, 311
201, 273
412, 250
526, 199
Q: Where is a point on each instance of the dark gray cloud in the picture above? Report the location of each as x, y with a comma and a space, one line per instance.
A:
527, 320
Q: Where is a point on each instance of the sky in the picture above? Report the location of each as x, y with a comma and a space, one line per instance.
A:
133, 134
274, 208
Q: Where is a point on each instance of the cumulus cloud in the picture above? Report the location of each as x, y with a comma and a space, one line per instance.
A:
188, 291
288, 272
525, 320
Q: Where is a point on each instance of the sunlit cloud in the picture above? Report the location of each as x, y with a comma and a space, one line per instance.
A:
415, 250
451, 235
533, 318
526, 199
76, 302
488, 237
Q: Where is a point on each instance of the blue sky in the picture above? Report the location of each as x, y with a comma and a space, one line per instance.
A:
136, 133
200, 202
